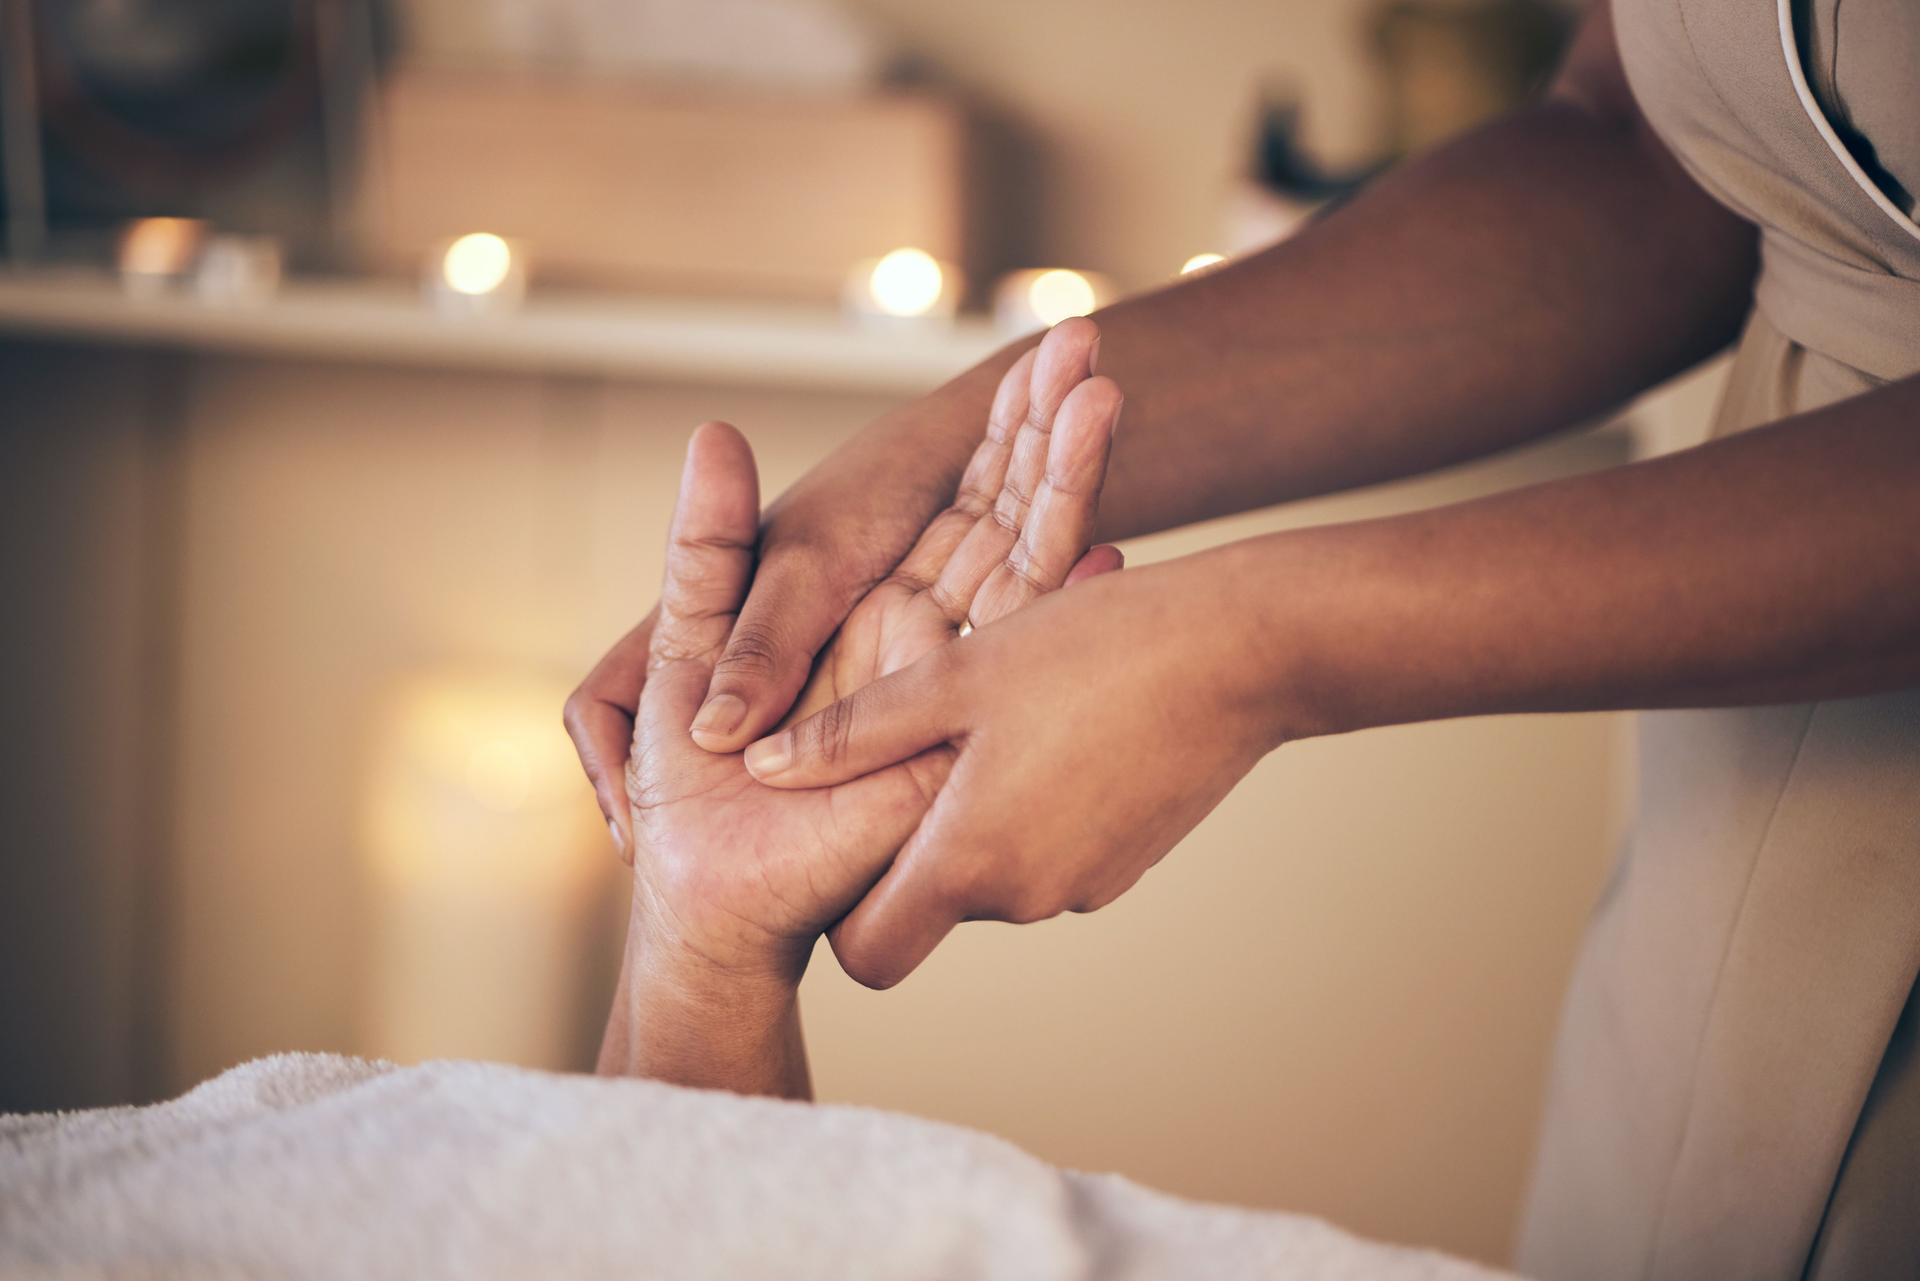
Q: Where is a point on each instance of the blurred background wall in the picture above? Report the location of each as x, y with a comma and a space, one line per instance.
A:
295, 593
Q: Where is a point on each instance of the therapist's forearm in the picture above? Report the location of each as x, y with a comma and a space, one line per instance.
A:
1518, 281
1779, 565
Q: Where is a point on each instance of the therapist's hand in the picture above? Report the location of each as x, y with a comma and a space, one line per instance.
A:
1024, 511
842, 529
740, 878
1091, 731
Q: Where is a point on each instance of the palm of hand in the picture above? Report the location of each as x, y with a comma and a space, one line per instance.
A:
738, 873
745, 876
893, 625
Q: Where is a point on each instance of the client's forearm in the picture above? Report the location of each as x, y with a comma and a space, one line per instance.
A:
675, 1019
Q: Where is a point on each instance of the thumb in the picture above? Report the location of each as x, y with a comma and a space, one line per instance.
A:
892, 719
709, 545
791, 611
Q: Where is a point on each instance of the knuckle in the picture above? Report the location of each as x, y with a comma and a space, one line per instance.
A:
830, 736
1010, 891
752, 653
1094, 901
1021, 563
1028, 906
971, 883
573, 713
1010, 509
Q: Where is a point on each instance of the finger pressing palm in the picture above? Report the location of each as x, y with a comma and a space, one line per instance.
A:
745, 876
1019, 524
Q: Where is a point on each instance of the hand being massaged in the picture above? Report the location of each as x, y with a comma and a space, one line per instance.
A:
735, 881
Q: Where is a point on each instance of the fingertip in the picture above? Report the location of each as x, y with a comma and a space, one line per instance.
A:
771, 757
1083, 433
1104, 559
859, 960
889, 933
719, 721
1010, 397
1079, 333
1100, 397
1062, 361
752, 725
716, 433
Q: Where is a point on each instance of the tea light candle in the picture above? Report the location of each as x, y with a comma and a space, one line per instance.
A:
905, 285
158, 253
1039, 299
476, 272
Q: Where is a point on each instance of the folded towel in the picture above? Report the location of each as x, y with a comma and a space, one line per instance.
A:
319, 1166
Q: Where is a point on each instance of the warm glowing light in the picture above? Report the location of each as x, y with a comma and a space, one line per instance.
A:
469, 781
907, 282
1057, 294
499, 774
486, 863
477, 264
1200, 262
161, 246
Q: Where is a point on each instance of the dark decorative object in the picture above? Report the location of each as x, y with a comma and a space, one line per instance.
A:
1444, 67
238, 111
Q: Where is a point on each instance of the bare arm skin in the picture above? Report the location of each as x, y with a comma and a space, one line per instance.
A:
1780, 565
1094, 730
1509, 285
1515, 283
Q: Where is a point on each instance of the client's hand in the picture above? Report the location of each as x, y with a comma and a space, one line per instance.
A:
734, 881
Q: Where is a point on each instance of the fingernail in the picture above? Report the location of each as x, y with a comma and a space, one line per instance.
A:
769, 756
619, 840
1093, 356
722, 715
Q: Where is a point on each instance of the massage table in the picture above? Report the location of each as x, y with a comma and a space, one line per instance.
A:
320, 1166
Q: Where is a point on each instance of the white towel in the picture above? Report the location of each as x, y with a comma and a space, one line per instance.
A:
318, 1166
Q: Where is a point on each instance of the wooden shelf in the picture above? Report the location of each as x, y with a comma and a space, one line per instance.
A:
598, 334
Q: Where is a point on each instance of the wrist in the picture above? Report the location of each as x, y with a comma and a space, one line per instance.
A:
1275, 631
695, 952
688, 1022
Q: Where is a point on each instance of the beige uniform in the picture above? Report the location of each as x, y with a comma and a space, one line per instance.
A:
1735, 1091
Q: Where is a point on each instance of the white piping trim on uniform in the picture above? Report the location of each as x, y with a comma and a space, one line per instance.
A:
1817, 114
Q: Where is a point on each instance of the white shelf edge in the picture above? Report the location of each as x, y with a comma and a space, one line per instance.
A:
607, 335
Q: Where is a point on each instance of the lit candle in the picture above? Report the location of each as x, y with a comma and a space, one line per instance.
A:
1029, 300
157, 253
477, 272
905, 285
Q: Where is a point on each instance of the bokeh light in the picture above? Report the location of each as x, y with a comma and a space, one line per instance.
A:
477, 264
906, 282
1057, 294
